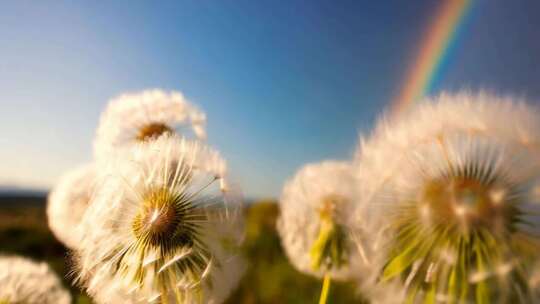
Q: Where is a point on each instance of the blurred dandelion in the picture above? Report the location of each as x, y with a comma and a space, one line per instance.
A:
315, 223
390, 292
162, 227
67, 203
25, 281
451, 184
136, 117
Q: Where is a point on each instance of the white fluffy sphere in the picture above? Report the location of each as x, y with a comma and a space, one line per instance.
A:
67, 203
162, 227
451, 183
319, 195
135, 117
25, 281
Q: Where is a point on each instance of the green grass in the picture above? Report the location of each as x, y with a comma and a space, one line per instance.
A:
269, 278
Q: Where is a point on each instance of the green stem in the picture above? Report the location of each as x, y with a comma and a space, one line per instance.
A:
325, 289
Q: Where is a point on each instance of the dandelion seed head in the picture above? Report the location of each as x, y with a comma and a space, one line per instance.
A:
161, 228
67, 203
158, 218
315, 220
152, 130
25, 281
138, 117
450, 184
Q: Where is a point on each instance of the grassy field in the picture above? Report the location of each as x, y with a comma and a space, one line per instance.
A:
269, 279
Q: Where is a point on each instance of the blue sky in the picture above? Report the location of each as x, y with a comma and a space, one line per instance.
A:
283, 83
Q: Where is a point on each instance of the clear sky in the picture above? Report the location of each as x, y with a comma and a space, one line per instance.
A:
282, 82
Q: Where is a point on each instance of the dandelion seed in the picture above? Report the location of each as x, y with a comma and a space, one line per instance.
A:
534, 279
132, 118
25, 281
158, 221
458, 159
389, 293
67, 203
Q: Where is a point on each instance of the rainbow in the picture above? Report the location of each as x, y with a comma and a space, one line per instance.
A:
434, 52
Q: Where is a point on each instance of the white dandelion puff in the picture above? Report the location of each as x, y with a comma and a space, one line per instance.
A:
25, 281
451, 184
160, 228
315, 221
67, 203
135, 117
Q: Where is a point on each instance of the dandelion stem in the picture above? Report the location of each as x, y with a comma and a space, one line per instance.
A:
325, 289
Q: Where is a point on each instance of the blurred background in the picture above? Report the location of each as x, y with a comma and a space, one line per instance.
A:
282, 83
